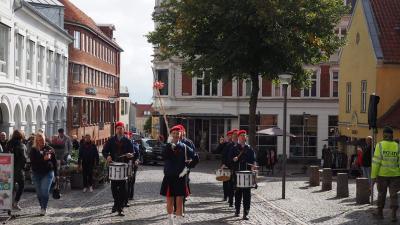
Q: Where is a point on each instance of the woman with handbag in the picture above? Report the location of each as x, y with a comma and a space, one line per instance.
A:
44, 169
174, 186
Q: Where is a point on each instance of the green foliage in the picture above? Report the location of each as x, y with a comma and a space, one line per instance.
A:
237, 38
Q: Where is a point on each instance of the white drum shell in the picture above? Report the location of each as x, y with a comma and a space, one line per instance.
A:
118, 171
245, 179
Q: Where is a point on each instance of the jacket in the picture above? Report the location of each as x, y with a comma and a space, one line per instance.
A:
174, 158
246, 156
18, 149
41, 166
116, 148
88, 155
386, 160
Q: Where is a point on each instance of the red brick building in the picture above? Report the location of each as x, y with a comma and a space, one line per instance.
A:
93, 76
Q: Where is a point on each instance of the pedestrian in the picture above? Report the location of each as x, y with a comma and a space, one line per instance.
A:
118, 149
62, 145
227, 155
133, 165
220, 150
243, 159
386, 172
87, 160
18, 149
44, 169
326, 157
3, 141
366, 158
174, 186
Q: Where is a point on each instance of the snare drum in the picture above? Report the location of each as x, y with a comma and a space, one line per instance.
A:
118, 171
245, 179
223, 175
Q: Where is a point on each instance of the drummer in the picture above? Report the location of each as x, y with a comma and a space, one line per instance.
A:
118, 149
227, 152
133, 163
243, 158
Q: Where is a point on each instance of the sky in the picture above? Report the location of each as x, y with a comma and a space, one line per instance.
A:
132, 20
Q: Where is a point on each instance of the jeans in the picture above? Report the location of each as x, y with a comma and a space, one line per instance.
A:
367, 173
42, 185
20, 180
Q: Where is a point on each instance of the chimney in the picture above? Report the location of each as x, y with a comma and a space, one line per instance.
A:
107, 29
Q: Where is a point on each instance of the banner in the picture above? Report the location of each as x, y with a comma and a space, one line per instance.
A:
6, 180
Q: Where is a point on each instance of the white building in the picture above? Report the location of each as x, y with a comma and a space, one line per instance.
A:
208, 111
125, 106
33, 66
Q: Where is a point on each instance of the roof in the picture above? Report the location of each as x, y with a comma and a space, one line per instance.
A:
73, 14
383, 19
46, 2
141, 108
391, 117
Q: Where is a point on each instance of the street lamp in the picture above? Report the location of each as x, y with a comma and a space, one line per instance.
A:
285, 81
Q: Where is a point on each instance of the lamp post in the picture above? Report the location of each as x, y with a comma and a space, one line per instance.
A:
112, 101
285, 81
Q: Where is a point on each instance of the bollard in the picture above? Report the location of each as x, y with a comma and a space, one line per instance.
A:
327, 179
362, 191
342, 189
314, 176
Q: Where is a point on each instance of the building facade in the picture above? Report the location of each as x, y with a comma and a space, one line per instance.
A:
125, 103
33, 67
143, 113
209, 110
370, 64
93, 76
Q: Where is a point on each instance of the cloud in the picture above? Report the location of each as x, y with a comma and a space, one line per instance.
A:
132, 20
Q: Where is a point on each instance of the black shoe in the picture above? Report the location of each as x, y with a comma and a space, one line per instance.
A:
236, 214
120, 213
231, 205
225, 198
245, 217
126, 205
114, 209
130, 198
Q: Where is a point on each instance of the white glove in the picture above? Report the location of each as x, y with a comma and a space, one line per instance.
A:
184, 172
69, 158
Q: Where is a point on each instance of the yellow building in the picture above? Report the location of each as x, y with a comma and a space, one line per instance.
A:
370, 63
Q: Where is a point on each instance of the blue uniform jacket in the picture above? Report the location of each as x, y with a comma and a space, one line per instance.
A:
175, 158
112, 149
247, 157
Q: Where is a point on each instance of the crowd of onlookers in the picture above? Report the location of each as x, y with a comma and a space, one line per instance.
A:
43, 157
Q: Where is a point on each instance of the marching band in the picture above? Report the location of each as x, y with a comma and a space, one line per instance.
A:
237, 170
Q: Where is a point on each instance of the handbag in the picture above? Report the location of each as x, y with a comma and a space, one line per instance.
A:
56, 191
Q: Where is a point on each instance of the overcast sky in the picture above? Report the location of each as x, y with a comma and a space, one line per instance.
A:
132, 20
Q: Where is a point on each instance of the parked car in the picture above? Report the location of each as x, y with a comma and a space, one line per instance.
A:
150, 150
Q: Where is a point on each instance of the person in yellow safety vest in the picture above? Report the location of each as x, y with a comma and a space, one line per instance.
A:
386, 172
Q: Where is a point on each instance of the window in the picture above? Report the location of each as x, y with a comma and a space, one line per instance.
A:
57, 70
333, 132
304, 127
162, 75
83, 42
76, 73
205, 88
277, 90
122, 107
87, 43
312, 91
77, 39
248, 87
40, 61
29, 59
335, 84
363, 96
48, 67
4, 33
19, 47
64, 69
348, 97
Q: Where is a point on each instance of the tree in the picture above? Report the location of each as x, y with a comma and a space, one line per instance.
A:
147, 125
247, 39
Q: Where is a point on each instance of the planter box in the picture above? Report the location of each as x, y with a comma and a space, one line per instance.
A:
76, 181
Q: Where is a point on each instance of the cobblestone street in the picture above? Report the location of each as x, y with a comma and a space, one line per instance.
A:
303, 205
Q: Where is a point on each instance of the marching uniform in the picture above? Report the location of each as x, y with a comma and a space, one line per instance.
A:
132, 179
116, 147
174, 156
228, 186
245, 158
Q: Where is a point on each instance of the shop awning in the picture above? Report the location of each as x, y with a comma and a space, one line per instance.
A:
205, 115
